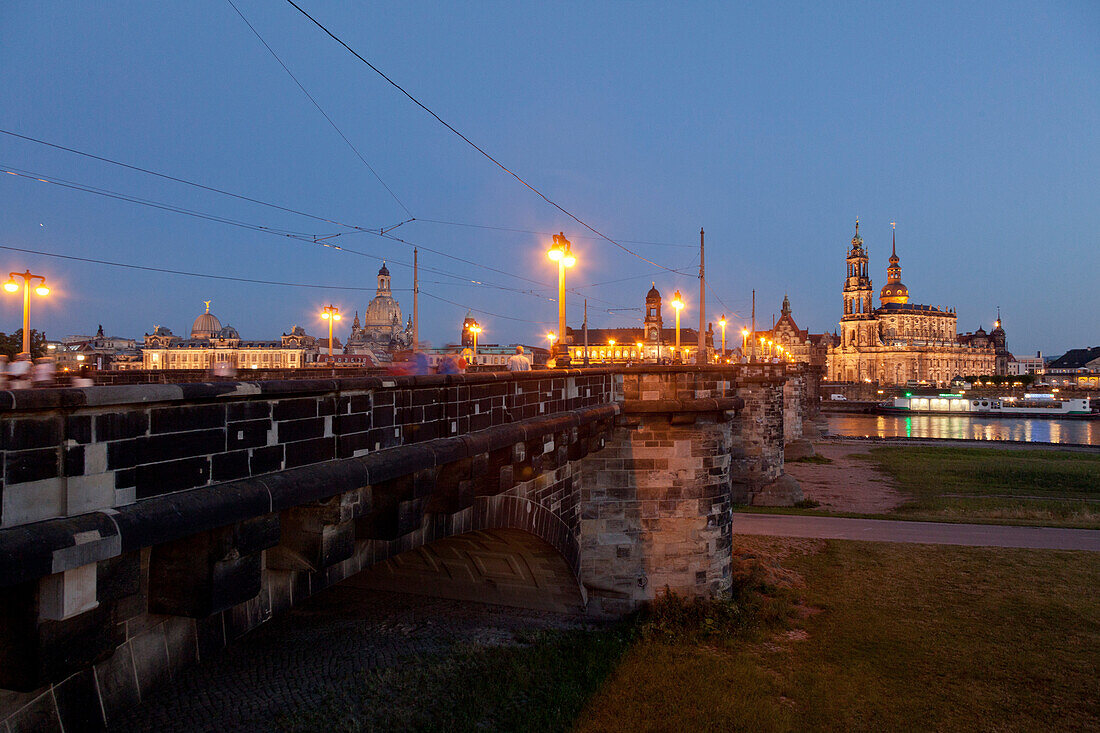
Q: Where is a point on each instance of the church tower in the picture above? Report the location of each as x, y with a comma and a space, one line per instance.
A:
653, 321
894, 291
858, 321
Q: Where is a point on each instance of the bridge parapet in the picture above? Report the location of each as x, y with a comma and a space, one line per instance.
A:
70, 451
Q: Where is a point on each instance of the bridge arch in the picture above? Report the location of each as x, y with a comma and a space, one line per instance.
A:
506, 550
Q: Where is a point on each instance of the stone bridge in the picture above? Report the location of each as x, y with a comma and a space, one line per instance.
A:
144, 527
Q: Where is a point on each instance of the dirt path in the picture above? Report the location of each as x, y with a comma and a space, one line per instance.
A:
847, 484
935, 533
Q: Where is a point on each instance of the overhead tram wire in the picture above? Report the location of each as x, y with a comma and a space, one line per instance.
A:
299, 236
547, 234
380, 232
319, 109
352, 228
500, 165
148, 268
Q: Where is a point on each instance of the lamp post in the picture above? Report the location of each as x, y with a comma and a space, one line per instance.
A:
744, 343
722, 323
678, 304
475, 329
561, 253
330, 313
11, 286
641, 354
611, 349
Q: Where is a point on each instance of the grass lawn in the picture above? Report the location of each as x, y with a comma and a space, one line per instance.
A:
908, 638
874, 637
1058, 488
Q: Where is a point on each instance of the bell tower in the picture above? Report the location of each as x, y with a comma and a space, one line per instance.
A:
857, 323
653, 321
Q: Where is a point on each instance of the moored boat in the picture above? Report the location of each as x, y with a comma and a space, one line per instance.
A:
1030, 405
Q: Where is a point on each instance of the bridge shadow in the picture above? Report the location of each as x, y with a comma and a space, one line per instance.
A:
505, 566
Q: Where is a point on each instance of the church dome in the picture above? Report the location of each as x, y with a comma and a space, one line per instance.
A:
653, 293
384, 270
206, 325
894, 293
382, 312
228, 332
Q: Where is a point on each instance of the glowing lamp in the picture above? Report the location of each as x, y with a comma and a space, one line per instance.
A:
10, 286
42, 290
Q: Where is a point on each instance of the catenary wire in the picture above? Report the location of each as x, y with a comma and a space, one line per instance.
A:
500, 165
186, 273
353, 228
546, 234
320, 109
299, 236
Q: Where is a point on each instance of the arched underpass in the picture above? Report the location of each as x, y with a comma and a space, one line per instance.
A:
507, 567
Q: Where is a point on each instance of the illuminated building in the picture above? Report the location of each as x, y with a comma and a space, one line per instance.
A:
381, 329
658, 344
797, 344
899, 341
211, 343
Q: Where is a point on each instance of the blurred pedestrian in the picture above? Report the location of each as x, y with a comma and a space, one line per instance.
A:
81, 378
20, 372
420, 364
43, 372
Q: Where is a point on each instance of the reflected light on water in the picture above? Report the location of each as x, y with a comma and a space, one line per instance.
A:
974, 428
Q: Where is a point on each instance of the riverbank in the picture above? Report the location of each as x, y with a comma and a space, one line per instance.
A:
1033, 484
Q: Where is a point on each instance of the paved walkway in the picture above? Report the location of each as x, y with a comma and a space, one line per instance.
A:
933, 533
301, 659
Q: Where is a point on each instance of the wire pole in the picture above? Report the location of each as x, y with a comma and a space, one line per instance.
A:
585, 332
701, 357
416, 300
753, 335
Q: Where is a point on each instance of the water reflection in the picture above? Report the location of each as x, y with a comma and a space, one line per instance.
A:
966, 427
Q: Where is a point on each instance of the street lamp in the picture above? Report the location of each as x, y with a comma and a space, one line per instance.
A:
722, 323
561, 253
641, 355
11, 286
611, 348
475, 329
744, 342
678, 304
330, 313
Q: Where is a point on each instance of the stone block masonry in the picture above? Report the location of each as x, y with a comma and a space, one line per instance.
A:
145, 527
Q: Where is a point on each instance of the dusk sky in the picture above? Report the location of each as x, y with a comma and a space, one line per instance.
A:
976, 127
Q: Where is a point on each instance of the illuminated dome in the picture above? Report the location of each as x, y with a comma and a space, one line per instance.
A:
653, 293
206, 325
894, 293
383, 310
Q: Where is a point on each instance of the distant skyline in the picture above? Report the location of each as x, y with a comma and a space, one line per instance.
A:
772, 127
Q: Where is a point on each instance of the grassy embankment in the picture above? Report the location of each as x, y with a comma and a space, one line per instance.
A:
1057, 488
982, 485
849, 636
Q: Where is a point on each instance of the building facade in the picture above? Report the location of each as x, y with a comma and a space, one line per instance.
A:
797, 343
212, 344
900, 342
652, 343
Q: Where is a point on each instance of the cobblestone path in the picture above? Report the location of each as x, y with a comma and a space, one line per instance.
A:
291, 662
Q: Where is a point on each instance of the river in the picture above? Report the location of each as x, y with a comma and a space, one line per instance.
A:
966, 427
